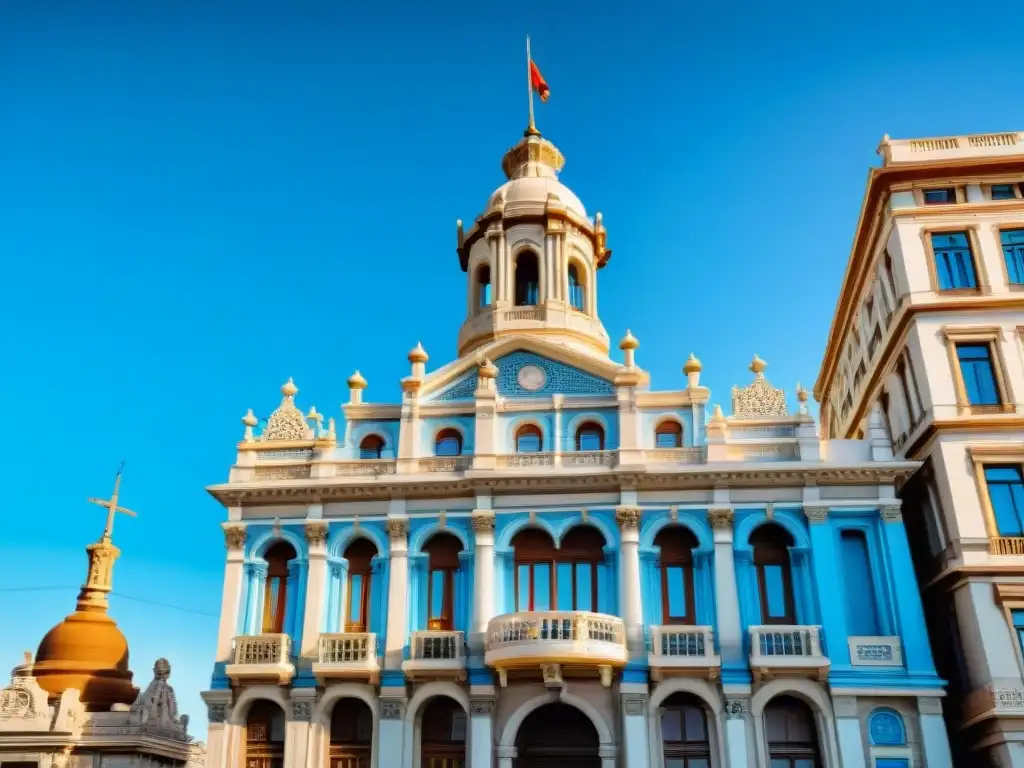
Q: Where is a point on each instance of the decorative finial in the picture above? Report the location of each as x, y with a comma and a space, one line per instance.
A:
356, 381
250, 419
332, 433
99, 578
692, 365
801, 393
757, 366
629, 341
717, 416
288, 389
314, 415
162, 669
487, 369
418, 354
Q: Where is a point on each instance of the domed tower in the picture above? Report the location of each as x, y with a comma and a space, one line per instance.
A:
531, 258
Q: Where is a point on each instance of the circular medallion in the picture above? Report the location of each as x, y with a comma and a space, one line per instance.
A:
531, 378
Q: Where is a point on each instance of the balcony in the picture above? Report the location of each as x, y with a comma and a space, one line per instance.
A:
347, 656
576, 643
261, 658
436, 655
682, 651
787, 651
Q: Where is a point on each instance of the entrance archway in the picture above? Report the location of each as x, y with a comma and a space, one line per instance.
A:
264, 736
351, 734
442, 734
557, 735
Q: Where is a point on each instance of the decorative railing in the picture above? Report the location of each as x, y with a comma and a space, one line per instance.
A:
526, 460
437, 645
446, 463
589, 459
282, 472
366, 467
675, 455
285, 454
677, 642
1006, 545
579, 627
778, 452
262, 649
785, 641
347, 648
529, 313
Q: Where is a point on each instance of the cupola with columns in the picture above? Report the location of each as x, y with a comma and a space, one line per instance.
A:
532, 257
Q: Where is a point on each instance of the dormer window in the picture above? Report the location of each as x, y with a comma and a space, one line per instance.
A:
528, 439
669, 434
590, 437
372, 447
448, 443
527, 279
940, 196
576, 300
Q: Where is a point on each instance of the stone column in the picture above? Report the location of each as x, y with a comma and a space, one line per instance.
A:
848, 731
316, 588
391, 731
934, 739
737, 720
230, 603
827, 576
219, 732
398, 594
635, 743
481, 731
556, 438
727, 602
630, 605
483, 586
917, 654
296, 740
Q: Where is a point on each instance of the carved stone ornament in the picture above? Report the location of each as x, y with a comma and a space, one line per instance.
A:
302, 710
23, 705
628, 517
815, 514
482, 521
287, 422
721, 518
155, 710
483, 706
234, 536
759, 399
316, 533
634, 705
844, 706
736, 707
891, 513
216, 713
391, 709
398, 528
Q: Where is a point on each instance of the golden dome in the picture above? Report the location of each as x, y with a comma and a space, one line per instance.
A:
692, 364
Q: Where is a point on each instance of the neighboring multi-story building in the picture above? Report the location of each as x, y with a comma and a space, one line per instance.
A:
534, 559
927, 336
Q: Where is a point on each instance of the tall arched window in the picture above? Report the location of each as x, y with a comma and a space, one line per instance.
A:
668, 434
443, 734
528, 439
264, 736
527, 279
351, 734
359, 554
483, 286
684, 732
563, 579
861, 606
448, 443
275, 593
371, 447
576, 289
677, 543
590, 437
774, 574
443, 563
792, 737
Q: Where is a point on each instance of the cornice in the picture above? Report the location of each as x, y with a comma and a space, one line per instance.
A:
991, 424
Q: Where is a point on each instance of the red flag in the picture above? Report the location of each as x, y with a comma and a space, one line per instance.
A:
538, 82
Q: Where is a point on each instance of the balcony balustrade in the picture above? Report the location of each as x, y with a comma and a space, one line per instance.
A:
681, 651
347, 655
436, 654
257, 658
577, 642
787, 651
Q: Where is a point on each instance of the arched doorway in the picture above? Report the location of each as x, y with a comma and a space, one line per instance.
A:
264, 736
351, 734
557, 736
684, 732
791, 734
442, 734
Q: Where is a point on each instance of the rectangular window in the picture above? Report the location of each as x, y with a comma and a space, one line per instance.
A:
675, 578
437, 594
1006, 494
541, 587
861, 608
585, 587
1018, 627
775, 591
1012, 241
563, 578
978, 373
943, 196
892, 762
1004, 192
355, 598
954, 263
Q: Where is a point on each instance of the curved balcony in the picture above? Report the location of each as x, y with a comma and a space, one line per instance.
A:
579, 643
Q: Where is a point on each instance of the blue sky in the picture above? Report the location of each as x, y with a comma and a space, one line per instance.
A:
200, 200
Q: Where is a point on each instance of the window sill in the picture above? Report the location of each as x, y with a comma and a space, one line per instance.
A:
985, 410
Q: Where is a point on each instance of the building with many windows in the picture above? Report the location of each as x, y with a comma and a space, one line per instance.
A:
927, 337
536, 559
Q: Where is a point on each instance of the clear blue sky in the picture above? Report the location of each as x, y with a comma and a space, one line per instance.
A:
198, 202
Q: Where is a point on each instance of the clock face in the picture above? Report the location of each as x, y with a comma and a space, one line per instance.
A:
531, 378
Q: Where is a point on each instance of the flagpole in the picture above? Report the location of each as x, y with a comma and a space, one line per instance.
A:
529, 84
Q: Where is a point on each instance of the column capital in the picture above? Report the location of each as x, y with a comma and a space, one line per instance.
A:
302, 711
316, 533
481, 705
815, 513
260, 569
482, 520
392, 709
628, 517
216, 712
398, 528
234, 535
736, 707
891, 513
721, 518
844, 706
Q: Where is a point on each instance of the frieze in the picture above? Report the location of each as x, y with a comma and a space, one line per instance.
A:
736, 707
721, 518
234, 536
316, 533
628, 517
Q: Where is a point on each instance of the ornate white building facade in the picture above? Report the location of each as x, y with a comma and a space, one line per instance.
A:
535, 559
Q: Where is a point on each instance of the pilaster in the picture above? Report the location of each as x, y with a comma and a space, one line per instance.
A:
635, 744
737, 732
829, 582
481, 729
297, 724
398, 593
730, 627
316, 588
483, 587
628, 518
848, 731
934, 739
220, 734
391, 728
231, 597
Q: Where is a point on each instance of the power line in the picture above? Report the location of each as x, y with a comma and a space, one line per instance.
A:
143, 600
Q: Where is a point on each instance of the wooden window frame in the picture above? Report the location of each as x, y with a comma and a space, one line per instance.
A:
533, 556
1015, 185
277, 568
987, 455
685, 750
959, 194
594, 426
974, 245
690, 619
991, 336
788, 592
363, 622
668, 427
997, 232
444, 561
794, 750
582, 285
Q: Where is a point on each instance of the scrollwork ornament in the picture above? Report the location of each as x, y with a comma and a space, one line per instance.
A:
234, 536
481, 706
634, 705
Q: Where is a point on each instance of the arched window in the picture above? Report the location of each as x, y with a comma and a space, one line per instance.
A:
527, 279
576, 289
483, 286
264, 736
792, 737
590, 437
562, 579
275, 593
528, 439
442, 734
448, 443
677, 592
684, 732
886, 728
443, 563
371, 447
351, 734
359, 554
668, 434
774, 574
